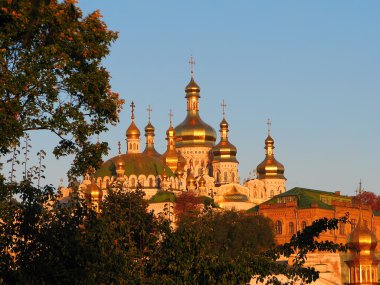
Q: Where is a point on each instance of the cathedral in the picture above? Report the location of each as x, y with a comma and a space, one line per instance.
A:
195, 160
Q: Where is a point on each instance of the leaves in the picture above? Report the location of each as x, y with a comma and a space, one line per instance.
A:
52, 77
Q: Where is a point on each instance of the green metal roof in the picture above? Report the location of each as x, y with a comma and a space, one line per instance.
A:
307, 197
134, 163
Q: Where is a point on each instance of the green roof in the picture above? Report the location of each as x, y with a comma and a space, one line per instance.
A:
162, 196
134, 163
307, 197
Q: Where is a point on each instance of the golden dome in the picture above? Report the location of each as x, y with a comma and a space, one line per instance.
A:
192, 89
149, 129
170, 132
270, 167
93, 191
202, 181
190, 178
119, 163
224, 151
362, 239
133, 132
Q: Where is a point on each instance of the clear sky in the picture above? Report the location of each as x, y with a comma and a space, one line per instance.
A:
313, 67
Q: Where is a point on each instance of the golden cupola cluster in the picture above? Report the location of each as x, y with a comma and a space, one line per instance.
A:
224, 151
193, 131
149, 135
270, 167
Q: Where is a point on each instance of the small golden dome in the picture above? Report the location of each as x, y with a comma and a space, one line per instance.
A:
270, 167
133, 132
192, 89
94, 191
223, 124
190, 178
170, 132
119, 163
362, 239
149, 129
202, 181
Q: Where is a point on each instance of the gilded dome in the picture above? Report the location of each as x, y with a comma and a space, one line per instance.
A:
134, 163
93, 191
224, 151
202, 181
270, 167
133, 132
194, 132
119, 163
192, 89
149, 129
362, 239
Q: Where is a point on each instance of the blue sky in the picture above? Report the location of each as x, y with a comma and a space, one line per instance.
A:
313, 67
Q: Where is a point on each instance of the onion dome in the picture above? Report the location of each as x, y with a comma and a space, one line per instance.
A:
270, 167
190, 181
193, 131
93, 191
234, 196
202, 182
192, 89
224, 151
171, 156
133, 131
362, 239
180, 165
119, 163
134, 163
149, 135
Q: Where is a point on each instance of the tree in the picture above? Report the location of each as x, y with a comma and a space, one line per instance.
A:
187, 205
368, 198
51, 77
229, 248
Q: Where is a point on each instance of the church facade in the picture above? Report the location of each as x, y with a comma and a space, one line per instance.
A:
193, 161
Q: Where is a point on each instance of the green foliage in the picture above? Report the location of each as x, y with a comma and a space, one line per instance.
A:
162, 196
52, 78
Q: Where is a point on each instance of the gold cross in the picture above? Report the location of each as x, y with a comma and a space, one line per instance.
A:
119, 147
149, 111
192, 62
171, 116
223, 107
133, 110
269, 123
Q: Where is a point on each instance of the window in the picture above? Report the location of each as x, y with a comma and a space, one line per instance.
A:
271, 193
233, 177
341, 229
353, 224
303, 225
291, 228
133, 182
225, 176
150, 182
278, 228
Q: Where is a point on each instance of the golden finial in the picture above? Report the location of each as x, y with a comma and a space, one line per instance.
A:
171, 116
119, 147
360, 189
223, 105
133, 110
269, 123
149, 109
192, 62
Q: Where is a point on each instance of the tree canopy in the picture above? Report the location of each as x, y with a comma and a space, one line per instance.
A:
52, 78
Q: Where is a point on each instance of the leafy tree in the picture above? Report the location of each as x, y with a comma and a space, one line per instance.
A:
52, 78
187, 205
368, 198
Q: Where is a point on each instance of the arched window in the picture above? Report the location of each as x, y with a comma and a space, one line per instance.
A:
225, 176
233, 177
278, 228
303, 225
151, 182
218, 176
255, 194
353, 224
134, 146
133, 182
342, 229
291, 228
